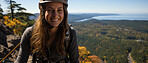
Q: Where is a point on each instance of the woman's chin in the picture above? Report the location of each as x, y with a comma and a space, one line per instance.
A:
54, 25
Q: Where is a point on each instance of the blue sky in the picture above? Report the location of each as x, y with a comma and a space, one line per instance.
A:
92, 6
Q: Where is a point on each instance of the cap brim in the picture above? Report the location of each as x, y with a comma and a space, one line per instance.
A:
44, 1
51, 1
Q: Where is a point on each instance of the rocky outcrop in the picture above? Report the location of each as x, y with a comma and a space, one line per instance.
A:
8, 41
4, 30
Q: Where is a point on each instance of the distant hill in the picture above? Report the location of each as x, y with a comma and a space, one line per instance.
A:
34, 17
79, 16
75, 17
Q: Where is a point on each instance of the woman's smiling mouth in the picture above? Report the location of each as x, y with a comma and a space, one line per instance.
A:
54, 20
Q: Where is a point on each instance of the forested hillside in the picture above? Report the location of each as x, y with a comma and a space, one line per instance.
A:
112, 41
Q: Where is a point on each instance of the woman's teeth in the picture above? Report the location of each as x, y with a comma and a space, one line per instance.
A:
54, 19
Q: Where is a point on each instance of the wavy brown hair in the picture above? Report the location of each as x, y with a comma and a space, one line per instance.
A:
40, 34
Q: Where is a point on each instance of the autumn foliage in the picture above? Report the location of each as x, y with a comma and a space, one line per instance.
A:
94, 59
15, 25
85, 56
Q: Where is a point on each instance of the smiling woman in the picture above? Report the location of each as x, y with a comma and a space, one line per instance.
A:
50, 39
54, 13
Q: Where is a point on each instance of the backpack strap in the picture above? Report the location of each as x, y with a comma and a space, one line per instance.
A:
33, 58
67, 38
67, 42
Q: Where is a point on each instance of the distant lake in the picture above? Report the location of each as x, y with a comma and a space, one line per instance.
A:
120, 17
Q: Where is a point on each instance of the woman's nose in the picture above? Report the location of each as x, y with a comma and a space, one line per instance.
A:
55, 14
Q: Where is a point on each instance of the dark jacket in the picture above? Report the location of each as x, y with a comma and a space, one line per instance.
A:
25, 51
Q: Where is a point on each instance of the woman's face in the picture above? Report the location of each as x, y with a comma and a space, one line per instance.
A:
54, 13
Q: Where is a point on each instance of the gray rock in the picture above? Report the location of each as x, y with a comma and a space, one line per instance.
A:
8, 41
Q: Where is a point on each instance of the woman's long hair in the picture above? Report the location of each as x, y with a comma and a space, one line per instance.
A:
40, 35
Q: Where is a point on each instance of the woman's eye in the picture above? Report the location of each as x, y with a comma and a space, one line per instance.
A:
60, 10
50, 10
54, 10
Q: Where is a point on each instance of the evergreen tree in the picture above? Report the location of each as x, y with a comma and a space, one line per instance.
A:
1, 10
17, 11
